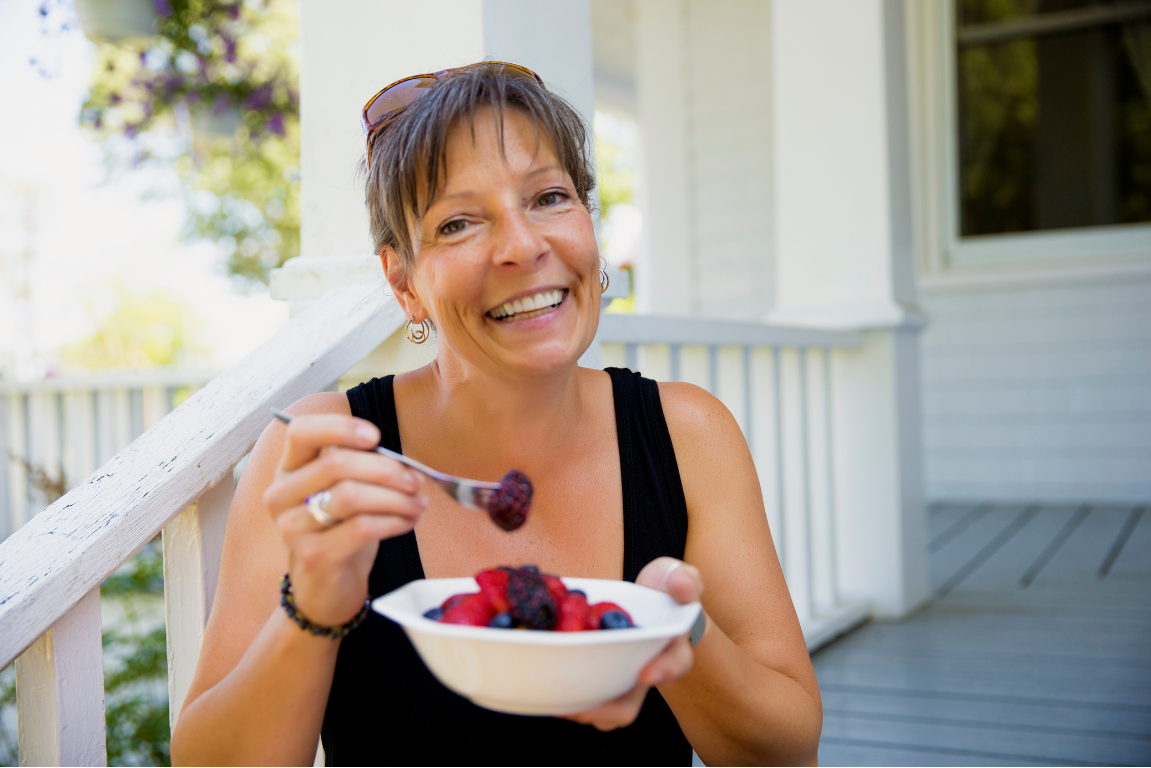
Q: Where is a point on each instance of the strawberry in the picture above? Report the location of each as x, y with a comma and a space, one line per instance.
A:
453, 600
472, 610
597, 611
555, 587
494, 586
573, 611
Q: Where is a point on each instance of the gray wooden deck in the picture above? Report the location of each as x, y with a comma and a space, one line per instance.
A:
1036, 649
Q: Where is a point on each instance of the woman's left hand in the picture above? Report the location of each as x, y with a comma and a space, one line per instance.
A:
684, 583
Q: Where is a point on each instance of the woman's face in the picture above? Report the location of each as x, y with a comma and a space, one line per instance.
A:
507, 264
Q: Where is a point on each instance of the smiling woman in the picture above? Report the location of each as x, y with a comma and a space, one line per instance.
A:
478, 187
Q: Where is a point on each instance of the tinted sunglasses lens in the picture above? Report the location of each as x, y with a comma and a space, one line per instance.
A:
396, 97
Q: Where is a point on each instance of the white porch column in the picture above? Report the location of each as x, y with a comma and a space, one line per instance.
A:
353, 48
844, 259
703, 85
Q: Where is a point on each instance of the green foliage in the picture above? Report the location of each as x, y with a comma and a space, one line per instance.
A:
998, 90
139, 332
135, 668
136, 664
214, 96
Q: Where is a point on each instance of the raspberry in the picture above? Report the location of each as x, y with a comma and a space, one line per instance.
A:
508, 506
596, 612
532, 605
473, 611
555, 587
494, 585
573, 613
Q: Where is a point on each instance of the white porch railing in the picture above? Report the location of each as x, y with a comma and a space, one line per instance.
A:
774, 380
67, 427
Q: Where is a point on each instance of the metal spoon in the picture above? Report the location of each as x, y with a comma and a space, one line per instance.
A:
471, 493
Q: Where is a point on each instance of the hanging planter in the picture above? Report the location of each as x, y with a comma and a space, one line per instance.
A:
117, 21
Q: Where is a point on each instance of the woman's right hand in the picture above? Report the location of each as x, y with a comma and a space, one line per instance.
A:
373, 497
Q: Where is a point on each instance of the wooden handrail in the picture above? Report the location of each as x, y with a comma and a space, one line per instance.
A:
661, 329
68, 549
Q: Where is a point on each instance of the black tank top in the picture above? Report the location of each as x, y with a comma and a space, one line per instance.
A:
385, 708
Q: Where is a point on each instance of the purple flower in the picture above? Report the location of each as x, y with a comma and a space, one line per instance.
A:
275, 124
234, 10
115, 98
259, 98
163, 7
229, 50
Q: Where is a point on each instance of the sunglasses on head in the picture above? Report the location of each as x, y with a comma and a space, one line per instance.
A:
394, 99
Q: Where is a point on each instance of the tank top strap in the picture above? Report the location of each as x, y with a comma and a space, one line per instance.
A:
654, 507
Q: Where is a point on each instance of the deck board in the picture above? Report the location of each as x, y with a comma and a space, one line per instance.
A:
1033, 652
1136, 553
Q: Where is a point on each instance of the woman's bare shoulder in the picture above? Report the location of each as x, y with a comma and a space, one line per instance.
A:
697, 418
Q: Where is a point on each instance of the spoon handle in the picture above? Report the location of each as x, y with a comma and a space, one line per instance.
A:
436, 475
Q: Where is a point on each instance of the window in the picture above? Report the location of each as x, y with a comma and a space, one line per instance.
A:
1054, 114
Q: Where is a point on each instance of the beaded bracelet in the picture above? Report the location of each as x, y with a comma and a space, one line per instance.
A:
340, 630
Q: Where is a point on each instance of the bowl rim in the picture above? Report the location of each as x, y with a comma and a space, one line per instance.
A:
683, 617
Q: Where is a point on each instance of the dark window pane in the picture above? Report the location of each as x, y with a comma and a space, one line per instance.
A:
1054, 129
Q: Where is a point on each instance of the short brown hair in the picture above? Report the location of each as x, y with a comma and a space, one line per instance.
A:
416, 140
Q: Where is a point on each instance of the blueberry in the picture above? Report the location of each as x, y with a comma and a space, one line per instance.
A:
501, 621
614, 620
579, 592
433, 613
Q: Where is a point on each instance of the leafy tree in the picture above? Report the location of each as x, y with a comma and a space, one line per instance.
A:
215, 96
142, 331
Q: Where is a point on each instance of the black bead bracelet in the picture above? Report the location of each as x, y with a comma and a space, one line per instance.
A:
288, 601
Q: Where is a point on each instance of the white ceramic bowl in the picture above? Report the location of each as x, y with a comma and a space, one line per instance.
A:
525, 672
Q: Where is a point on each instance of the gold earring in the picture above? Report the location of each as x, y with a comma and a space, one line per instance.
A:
604, 280
418, 333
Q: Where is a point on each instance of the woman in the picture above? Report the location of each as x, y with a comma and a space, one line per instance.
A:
478, 189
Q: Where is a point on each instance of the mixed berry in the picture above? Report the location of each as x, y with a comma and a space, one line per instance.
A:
508, 506
524, 598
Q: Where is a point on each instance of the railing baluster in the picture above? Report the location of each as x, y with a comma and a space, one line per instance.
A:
805, 463
748, 399
60, 691
631, 351
781, 534
193, 543
829, 468
713, 369
675, 372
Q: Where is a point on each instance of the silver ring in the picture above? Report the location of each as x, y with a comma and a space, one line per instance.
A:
317, 507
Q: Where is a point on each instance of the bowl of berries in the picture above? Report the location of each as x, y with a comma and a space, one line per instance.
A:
580, 642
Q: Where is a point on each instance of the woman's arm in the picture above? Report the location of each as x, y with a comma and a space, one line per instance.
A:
262, 683
751, 696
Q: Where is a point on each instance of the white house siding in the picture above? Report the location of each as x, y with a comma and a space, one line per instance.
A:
1039, 392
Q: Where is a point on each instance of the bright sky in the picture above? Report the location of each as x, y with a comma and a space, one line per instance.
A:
82, 235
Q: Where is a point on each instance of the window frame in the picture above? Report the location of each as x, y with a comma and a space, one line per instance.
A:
933, 73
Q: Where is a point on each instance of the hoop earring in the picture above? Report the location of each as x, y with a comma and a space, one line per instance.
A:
604, 280
418, 333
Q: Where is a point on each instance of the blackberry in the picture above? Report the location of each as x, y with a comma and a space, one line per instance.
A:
501, 621
434, 613
579, 592
614, 620
509, 505
531, 603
